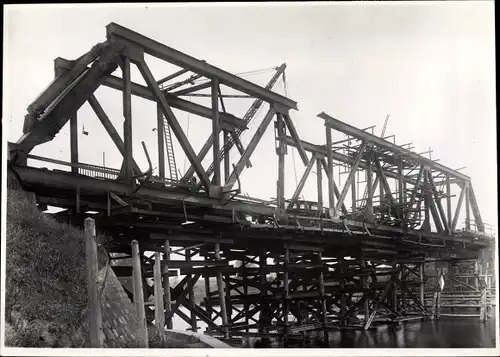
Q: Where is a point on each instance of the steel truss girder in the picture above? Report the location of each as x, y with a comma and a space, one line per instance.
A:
363, 135
182, 60
110, 129
60, 110
228, 121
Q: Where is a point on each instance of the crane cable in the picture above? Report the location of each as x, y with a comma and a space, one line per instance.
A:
293, 151
187, 136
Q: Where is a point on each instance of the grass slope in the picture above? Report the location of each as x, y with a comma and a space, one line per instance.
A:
45, 275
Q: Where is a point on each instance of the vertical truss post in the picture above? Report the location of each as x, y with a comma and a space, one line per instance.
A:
329, 154
127, 125
216, 131
427, 224
401, 182
166, 285
319, 184
227, 159
222, 297
281, 151
467, 207
142, 331
369, 188
161, 142
354, 196
350, 178
110, 129
448, 204
74, 141
159, 306
192, 315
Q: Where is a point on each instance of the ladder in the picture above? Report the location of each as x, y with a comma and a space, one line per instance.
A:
170, 150
246, 118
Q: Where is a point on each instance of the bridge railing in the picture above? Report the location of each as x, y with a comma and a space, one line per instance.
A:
94, 171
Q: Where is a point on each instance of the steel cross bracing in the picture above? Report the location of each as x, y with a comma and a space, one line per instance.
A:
354, 250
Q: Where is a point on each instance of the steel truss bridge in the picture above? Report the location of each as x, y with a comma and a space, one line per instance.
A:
353, 258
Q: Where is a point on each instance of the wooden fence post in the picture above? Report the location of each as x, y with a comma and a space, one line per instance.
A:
438, 304
434, 303
159, 306
94, 304
483, 314
142, 331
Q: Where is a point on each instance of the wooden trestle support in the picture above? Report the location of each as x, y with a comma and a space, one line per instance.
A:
283, 291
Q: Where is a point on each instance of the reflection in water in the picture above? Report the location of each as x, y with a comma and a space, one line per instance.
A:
426, 334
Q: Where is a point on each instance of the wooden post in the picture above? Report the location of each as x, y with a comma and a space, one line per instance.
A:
421, 276
438, 305
364, 281
286, 302
166, 285
207, 292
94, 305
263, 291
483, 314
222, 298
159, 306
246, 305
142, 331
434, 305
323, 300
342, 286
192, 315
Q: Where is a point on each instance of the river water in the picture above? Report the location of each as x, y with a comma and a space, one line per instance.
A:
444, 333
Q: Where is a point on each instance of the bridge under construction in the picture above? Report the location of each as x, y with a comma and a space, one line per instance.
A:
375, 247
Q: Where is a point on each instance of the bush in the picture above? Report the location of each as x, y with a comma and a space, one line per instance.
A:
45, 274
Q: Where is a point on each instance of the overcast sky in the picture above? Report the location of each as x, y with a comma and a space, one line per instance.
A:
429, 65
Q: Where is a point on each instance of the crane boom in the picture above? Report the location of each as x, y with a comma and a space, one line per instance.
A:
247, 118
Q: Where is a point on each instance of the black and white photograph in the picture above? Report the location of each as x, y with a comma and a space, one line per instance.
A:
194, 178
